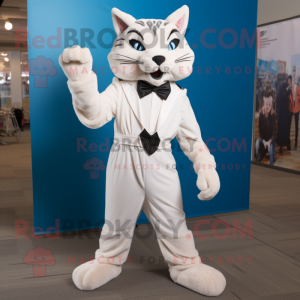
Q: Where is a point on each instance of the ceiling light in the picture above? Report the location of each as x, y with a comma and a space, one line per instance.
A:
3, 54
6, 58
8, 25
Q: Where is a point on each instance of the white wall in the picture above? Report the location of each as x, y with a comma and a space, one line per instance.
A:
273, 10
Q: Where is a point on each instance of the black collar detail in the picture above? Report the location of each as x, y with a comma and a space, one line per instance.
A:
150, 142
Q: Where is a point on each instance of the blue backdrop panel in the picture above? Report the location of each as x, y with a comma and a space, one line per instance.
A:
68, 191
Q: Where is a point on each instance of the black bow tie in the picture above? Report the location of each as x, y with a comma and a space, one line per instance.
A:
144, 88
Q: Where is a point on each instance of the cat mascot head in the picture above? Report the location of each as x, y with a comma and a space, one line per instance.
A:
152, 50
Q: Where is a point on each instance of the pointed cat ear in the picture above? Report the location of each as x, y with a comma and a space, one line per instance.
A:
180, 18
121, 20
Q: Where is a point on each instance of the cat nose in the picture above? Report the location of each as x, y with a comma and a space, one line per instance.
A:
158, 59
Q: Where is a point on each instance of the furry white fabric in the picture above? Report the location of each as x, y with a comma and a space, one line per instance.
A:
200, 278
155, 51
203, 162
91, 275
187, 269
177, 65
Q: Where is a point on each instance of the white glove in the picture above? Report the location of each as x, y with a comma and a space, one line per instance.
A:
76, 63
208, 182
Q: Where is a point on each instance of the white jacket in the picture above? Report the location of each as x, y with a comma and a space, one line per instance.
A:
121, 101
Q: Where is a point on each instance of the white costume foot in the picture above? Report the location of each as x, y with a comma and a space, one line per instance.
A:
92, 275
201, 278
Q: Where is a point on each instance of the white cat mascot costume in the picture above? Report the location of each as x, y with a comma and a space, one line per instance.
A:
150, 109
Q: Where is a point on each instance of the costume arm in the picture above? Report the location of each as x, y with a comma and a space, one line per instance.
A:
92, 108
190, 141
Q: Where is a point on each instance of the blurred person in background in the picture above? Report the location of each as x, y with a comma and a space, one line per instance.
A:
267, 129
294, 106
282, 110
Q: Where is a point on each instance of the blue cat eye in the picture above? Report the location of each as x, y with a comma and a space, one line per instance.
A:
173, 44
137, 45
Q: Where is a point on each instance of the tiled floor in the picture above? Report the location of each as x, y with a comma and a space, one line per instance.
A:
262, 263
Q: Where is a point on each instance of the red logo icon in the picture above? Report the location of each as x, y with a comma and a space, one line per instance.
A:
39, 258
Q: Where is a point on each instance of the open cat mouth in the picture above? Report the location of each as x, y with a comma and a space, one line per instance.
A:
157, 74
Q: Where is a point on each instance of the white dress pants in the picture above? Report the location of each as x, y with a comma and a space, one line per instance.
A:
136, 182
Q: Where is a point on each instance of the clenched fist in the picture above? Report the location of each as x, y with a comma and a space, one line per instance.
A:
209, 183
76, 63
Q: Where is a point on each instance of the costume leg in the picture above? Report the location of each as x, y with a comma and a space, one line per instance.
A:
164, 209
125, 195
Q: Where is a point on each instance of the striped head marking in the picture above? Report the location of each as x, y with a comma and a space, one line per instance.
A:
150, 49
